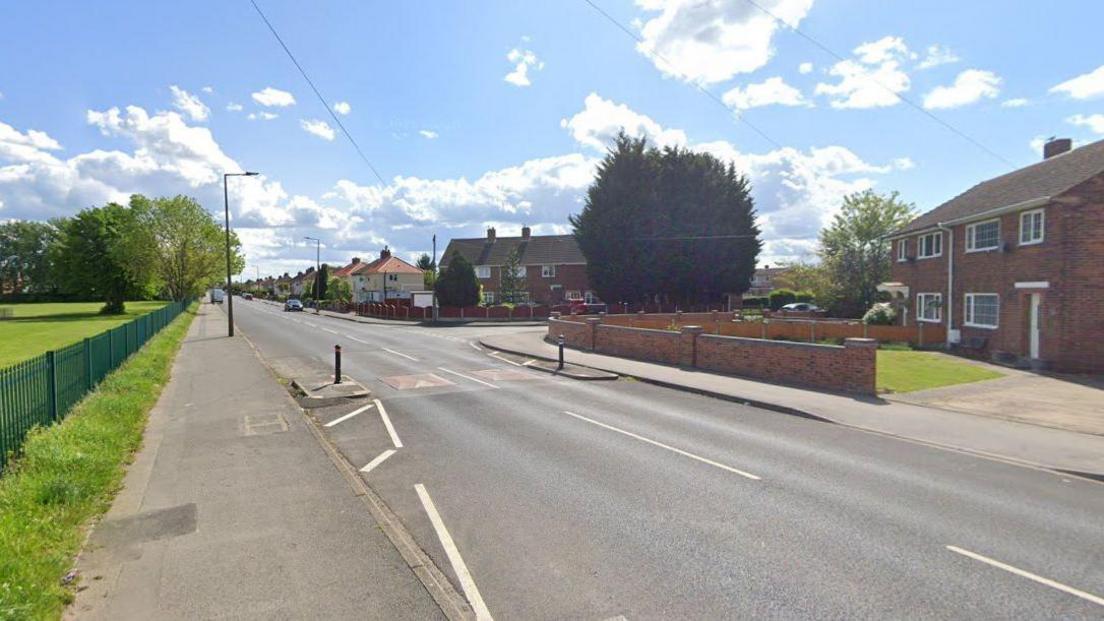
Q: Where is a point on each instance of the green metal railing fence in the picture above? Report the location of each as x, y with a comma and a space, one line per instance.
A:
42, 390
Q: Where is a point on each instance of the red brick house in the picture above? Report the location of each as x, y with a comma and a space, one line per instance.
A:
1014, 266
554, 266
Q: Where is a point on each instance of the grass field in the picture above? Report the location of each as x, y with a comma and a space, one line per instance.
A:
35, 328
69, 474
906, 371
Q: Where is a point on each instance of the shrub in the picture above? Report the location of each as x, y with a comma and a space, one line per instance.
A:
881, 314
781, 297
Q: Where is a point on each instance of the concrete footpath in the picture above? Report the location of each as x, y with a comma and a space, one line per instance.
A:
1027, 444
233, 510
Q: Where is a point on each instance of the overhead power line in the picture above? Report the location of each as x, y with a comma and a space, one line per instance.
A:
739, 115
322, 99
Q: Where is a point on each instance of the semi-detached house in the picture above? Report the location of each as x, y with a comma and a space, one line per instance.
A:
1014, 266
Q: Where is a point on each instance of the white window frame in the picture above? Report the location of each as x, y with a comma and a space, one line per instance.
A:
590, 297
482, 271
921, 304
902, 250
968, 311
920, 245
548, 271
488, 298
573, 295
971, 244
1042, 227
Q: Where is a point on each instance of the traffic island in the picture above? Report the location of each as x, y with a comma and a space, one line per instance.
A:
317, 391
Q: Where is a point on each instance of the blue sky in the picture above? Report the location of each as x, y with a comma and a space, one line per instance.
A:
495, 113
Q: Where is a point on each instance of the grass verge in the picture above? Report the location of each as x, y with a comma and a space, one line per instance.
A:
907, 371
35, 328
69, 474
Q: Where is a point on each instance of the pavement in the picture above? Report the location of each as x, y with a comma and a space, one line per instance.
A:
1012, 439
542, 497
232, 509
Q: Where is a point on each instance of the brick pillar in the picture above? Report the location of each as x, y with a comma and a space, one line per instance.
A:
592, 327
862, 359
688, 345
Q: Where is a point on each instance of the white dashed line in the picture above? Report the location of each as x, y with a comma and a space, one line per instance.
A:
399, 353
704, 460
468, 377
353, 338
348, 416
378, 460
329, 330
1030, 576
387, 423
462, 574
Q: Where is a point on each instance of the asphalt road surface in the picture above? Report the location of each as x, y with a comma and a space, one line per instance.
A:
543, 497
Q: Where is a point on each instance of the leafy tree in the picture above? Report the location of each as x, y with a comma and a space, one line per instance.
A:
511, 286
189, 244
339, 290
429, 270
314, 286
25, 261
854, 251
102, 252
669, 224
809, 277
457, 285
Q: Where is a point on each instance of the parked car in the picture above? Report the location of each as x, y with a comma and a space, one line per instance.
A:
802, 306
248, 296
293, 305
582, 308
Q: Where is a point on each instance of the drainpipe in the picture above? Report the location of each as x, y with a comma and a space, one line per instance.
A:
949, 248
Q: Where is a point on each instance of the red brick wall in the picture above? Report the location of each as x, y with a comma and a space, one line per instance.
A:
1078, 290
570, 277
850, 368
639, 343
576, 333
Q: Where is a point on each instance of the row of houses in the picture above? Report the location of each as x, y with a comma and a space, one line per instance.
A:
386, 278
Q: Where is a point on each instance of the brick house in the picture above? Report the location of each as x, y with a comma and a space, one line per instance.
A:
762, 280
386, 278
554, 266
1014, 266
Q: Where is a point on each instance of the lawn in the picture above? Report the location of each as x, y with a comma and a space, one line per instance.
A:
35, 328
906, 371
68, 475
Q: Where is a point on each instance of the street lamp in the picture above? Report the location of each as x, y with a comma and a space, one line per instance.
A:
317, 266
229, 289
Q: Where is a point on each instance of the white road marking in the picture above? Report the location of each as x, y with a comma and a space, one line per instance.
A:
353, 338
475, 346
387, 423
1030, 576
348, 416
399, 353
497, 357
468, 377
378, 460
665, 446
462, 573
330, 331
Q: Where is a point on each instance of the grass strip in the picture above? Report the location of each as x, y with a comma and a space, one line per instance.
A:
68, 475
908, 371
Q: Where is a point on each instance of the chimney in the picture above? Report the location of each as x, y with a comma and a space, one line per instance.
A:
490, 234
1056, 146
385, 253
356, 260
525, 231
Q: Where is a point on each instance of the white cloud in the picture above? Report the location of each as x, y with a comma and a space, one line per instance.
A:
1083, 86
263, 116
189, 104
937, 55
1095, 122
317, 127
273, 97
712, 41
428, 134
871, 80
805, 68
969, 87
601, 119
208, 89
234, 107
342, 108
523, 60
904, 163
1017, 102
772, 91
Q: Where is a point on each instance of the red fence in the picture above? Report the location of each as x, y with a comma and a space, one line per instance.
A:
418, 313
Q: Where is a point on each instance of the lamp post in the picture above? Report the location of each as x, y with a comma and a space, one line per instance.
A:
317, 266
433, 266
229, 288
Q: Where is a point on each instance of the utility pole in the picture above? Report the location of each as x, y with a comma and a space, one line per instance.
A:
229, 283
433, 266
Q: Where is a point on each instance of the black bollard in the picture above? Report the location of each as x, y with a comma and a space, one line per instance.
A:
337, 364
560, 342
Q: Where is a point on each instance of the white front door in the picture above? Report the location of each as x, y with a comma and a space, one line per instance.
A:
1033, 326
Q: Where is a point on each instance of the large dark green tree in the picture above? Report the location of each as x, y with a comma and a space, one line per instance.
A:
670, 224
457, 284
25, 260
104, 252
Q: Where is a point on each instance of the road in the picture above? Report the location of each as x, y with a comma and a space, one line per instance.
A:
542, 497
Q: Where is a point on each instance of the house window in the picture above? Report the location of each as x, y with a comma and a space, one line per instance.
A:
930, 245
393, 277
548, 271
488, 297
590, 298
982, 310
983, 236
574, 295
929, 307
482, 271
1031, 227
902, 251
